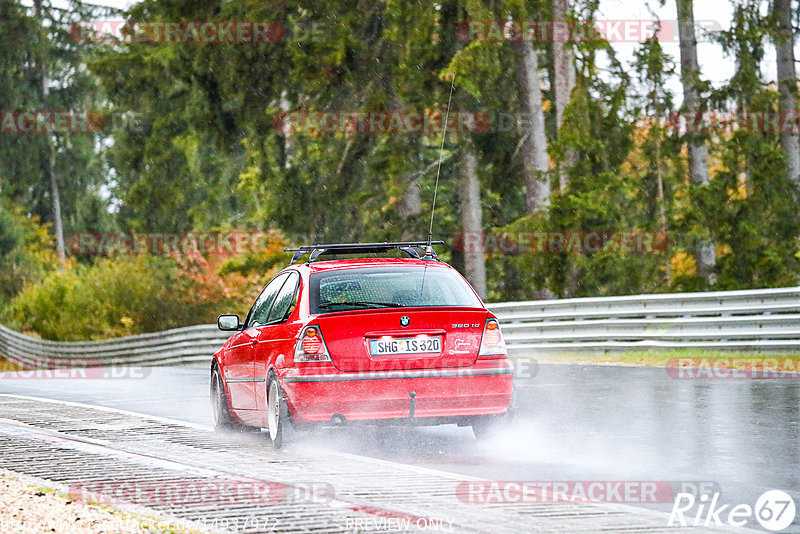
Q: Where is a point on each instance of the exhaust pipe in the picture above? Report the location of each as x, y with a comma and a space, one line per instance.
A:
338, 419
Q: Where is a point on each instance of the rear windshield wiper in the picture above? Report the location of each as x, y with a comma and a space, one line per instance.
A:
364, 303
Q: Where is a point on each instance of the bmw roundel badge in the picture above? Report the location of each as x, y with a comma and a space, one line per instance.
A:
404, 321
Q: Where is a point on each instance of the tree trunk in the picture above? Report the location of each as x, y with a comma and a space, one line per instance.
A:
690, 76
471, 220
50, 163
55, 195
410, 209
662, 204
698, 155
564, 68
410, 205
534, 148
288, 146
787, 85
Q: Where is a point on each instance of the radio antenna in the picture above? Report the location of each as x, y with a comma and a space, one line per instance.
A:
439, 167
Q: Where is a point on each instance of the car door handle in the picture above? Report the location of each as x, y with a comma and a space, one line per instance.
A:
254, 342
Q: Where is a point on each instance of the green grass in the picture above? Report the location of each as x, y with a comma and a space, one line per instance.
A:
660, 358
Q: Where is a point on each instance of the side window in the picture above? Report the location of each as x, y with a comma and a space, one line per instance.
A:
285, 300
258, 314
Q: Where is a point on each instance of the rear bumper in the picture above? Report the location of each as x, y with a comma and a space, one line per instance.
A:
316, 394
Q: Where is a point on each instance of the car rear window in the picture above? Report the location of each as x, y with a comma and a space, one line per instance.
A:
386, 287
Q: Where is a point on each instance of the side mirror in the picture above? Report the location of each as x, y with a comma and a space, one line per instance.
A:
228, 323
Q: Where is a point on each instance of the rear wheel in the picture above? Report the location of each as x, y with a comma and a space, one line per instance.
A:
486, 425
277, 413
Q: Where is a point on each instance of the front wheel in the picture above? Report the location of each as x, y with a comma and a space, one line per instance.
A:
277, 414
220, 416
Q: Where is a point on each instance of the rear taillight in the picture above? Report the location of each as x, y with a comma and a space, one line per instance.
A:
312, 342
492, 343
311, 347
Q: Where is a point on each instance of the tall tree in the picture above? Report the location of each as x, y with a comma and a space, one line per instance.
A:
749, 202
58, 176
659, 151
534, 146
564, 71
48, 159
698, 154
787, 85
526, 69
19, 159
472, 219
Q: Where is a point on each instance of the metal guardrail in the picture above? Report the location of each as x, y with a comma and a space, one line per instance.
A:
171, 347
763, 320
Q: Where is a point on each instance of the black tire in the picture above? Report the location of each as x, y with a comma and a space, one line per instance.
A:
484, 426
280, 425
220, 413
513, 408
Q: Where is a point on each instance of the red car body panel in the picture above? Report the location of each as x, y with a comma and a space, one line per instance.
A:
238, 357
455, 383
385, 395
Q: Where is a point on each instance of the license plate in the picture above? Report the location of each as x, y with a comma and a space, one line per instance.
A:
410, 345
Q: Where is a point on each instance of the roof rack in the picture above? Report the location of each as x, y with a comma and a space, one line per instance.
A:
409, 247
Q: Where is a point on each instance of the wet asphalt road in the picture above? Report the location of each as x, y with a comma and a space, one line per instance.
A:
577, 423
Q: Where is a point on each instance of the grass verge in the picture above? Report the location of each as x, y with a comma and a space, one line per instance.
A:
661, 358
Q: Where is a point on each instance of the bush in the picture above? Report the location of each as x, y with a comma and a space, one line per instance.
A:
126, 295
114, 297
26, 252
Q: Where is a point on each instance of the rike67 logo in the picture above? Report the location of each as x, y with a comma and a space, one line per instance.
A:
774, 510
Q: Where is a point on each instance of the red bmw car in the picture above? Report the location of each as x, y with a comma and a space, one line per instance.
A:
379, 340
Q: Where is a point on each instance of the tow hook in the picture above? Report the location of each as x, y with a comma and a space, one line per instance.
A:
413, 395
